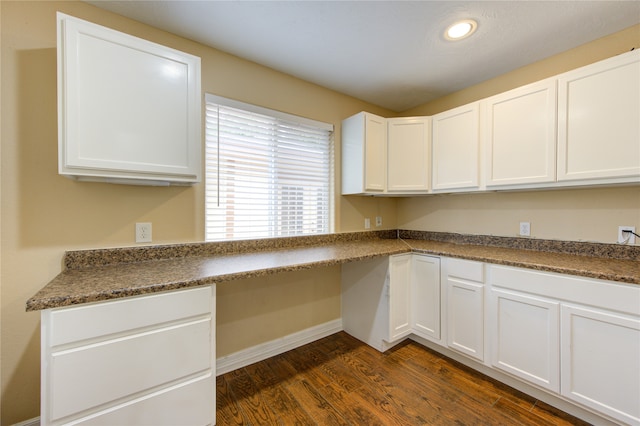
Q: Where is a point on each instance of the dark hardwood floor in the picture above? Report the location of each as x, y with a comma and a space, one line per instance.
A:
339, 380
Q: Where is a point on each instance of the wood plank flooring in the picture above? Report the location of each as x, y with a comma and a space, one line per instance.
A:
339, 380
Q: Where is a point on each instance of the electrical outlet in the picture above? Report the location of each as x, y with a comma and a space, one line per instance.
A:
626, 237
525, 229
378, 220
143, 232
367, 223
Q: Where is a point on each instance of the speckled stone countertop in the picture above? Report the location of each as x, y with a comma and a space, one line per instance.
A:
104, 274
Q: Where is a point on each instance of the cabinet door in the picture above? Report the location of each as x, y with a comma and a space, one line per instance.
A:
525, 337
408, 156
425, 296
465, 317
399, 296
601, 361
128, 109
375, 164
520, 135
598, 115
456, 143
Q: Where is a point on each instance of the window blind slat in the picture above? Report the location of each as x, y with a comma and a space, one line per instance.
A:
266, 176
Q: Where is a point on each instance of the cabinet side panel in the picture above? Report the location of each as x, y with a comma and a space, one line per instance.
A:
365, 301
352, 141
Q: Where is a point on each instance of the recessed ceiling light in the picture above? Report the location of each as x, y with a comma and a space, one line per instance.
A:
461, 29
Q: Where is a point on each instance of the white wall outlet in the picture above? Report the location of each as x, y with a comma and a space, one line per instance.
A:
525, 229
367, 223
626, 237
378, 220
143, 232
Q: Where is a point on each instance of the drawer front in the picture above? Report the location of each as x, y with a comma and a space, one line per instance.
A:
90, 321
465, 269
604, 294
104, 372
191, 404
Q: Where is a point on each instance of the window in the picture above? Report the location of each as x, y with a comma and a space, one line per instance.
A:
268, 174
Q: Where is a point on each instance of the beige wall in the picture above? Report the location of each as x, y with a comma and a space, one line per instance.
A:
44, 214
575, 214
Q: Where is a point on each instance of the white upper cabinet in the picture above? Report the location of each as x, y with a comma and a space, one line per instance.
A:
128, 109
520, 135
456, 148
408, 154
599, 120
364, 154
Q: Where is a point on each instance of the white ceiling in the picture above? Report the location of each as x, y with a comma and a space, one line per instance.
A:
389, 53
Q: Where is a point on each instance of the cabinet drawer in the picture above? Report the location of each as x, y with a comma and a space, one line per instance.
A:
95, 320
604, 294
465, 269
194, 398
101, 373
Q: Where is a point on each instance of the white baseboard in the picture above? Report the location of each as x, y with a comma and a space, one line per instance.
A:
31, 422
266, 350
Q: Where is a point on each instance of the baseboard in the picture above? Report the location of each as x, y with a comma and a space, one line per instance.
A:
31, 422
266, 350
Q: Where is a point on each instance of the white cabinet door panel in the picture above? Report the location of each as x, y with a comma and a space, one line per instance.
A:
409, 159
465, 317
601, 361
525, 337
599, 120
425, 296
399, 296
375, 163
128, 108
520, 129
456, 148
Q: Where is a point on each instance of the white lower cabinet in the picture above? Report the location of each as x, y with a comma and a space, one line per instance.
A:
601, 361
464, 283
524, 337
140, 360
575, 336
575, 339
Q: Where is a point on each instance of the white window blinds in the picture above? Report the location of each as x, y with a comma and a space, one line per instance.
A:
268, 174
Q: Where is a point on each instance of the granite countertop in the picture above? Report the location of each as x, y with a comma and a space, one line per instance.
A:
104, 274
621, 270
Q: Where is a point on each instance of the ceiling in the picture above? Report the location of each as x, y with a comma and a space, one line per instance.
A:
389, 53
